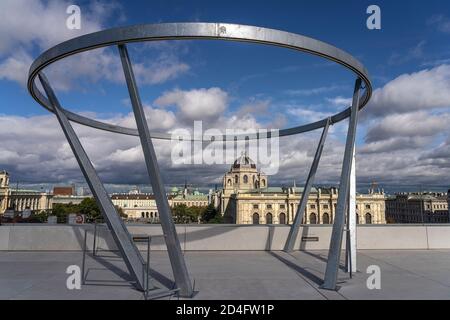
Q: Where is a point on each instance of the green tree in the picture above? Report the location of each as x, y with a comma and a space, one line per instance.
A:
90, 209
61, 211
211, 215
184, 214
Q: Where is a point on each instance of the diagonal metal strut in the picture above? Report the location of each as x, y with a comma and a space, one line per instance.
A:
121, 236
177, 261
334, 253
295, 228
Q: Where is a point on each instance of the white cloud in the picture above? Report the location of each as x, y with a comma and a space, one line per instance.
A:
412, 124
441, 22
424, 90
314, 91
196, 104
340, 101
160, 71
15, 68
30, 26
308, 115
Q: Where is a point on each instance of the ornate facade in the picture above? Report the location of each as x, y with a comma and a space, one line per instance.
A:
418, 208
19, 199
246, 198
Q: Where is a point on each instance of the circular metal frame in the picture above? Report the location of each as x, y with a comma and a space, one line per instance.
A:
206, 31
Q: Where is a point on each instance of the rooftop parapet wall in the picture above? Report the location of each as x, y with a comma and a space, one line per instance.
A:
25, 237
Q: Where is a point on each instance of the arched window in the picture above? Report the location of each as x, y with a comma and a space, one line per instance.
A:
368, 218
357, 218
282, 218
326, 218
255, 218
229, 182
245, 179
236, 179
143, 214
147, 215
263, 182
312, 218
269, 218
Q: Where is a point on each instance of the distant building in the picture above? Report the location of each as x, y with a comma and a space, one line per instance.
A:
246, 198
20, 199
64, 191
138, 205
187, 197
67, 195
428, 207
72, 199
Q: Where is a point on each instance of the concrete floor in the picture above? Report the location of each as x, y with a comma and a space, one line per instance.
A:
412, 274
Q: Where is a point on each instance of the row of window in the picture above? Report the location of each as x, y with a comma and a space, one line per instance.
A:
245, 180
149, 214
269, 218
269, 206
312, 218
312, 206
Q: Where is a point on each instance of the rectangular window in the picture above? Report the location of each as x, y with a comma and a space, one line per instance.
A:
269, 206
313, 206
282, 206
255, 206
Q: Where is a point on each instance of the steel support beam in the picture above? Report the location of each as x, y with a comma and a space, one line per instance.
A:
177, 261
121, 236
350, 257
332, 269
295, 228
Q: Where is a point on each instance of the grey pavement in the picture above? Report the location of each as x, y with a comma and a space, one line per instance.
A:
405, 274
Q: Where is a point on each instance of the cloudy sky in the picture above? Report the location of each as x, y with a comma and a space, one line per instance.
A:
403, 135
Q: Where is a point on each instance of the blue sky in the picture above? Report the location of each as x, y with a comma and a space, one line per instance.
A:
402, 137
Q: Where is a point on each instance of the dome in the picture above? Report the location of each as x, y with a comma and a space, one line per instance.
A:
174, 190
244, 161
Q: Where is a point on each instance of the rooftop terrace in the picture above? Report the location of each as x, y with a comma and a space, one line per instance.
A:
405, 274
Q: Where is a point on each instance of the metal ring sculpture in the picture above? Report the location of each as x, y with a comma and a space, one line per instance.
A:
206, 31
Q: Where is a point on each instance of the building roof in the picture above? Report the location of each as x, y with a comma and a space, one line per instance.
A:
244, 161
132, 196
64, 191
191, 197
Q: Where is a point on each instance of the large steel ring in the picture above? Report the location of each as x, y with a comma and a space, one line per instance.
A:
194, 30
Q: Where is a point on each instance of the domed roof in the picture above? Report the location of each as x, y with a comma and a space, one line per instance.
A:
174, 190
244, 161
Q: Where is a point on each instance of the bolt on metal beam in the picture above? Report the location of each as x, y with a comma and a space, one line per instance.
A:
177, 261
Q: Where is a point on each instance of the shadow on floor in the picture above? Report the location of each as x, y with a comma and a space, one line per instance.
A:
318, 281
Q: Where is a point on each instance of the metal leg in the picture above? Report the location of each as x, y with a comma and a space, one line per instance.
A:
94, 247
149, 241
83, 277
350, 261
122, 237
173, 244
334, 253
295, 228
